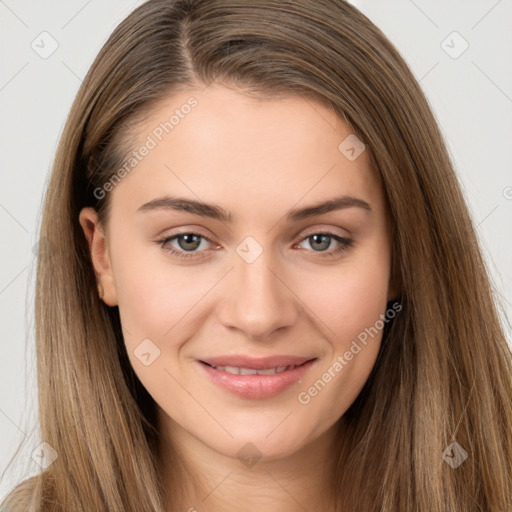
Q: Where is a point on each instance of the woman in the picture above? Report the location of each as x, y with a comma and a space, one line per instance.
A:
253, 369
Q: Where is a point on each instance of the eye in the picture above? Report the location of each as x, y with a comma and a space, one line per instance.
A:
321, 241
187, 242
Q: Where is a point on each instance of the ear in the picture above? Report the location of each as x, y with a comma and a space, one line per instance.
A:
100, 257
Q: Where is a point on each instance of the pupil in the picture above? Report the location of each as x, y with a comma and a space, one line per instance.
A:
325, 237
188, 241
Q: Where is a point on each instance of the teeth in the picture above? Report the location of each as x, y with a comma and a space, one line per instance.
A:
247, 371
251, 371
270, 371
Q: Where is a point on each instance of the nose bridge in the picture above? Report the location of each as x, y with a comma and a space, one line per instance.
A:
258, 301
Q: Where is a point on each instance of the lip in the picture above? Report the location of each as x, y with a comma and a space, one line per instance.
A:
256, 387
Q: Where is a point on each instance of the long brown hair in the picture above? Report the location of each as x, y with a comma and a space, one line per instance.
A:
444, 372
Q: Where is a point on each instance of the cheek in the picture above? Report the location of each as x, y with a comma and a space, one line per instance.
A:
166, 304
349, 304
146, 301
349, 298
153, 293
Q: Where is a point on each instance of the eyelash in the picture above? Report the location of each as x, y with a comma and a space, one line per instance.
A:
346, 243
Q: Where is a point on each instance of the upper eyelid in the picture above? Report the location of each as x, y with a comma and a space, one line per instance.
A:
306, 235
329, 231
307, 231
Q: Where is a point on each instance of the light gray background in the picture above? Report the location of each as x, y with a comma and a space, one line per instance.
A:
470, 93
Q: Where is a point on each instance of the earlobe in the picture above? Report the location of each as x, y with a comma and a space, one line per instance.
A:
100, 256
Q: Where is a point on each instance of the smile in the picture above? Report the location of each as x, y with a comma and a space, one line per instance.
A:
252, 371
255, 383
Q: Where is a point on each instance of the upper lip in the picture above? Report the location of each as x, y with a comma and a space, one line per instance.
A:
256, 363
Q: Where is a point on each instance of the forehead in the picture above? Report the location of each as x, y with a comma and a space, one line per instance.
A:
219, 143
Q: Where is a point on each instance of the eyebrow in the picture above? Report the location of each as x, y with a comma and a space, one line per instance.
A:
218, 213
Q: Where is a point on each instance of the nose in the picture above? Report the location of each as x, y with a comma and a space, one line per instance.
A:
257, 300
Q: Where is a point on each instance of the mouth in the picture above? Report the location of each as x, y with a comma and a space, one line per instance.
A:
254, 378
234, 370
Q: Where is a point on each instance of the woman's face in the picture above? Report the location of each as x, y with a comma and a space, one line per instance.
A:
221, 248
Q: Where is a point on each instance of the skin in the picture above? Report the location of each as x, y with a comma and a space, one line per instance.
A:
257, 159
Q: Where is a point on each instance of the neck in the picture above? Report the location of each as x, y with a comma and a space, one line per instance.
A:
211, 481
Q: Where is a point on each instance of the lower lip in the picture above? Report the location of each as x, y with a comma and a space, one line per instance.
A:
257, 386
